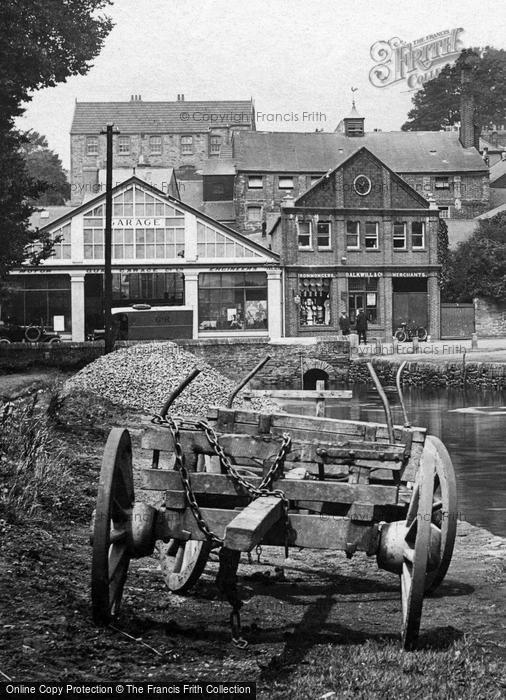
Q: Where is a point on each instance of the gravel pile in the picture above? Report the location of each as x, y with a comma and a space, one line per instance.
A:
142, 377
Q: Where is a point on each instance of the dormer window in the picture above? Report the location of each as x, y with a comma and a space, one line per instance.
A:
285, 182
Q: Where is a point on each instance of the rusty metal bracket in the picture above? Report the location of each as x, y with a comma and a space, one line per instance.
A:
165, 408
385, 401
246, 379
179, 390
398, 384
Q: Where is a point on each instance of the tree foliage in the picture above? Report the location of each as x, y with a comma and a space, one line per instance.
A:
43, 43
443, 255
478, 265
437, 104
45, 167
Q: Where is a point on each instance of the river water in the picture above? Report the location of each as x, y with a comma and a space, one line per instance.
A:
472, 425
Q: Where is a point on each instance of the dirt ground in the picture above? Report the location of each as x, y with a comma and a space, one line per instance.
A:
317, 599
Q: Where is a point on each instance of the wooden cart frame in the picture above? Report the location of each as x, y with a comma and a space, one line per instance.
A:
242, 478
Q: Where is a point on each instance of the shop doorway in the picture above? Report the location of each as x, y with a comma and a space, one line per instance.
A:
410, 302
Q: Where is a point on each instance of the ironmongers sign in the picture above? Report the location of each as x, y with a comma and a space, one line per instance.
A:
316, 274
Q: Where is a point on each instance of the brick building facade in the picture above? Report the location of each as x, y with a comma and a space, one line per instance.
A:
157, 135
359, 238
435, 164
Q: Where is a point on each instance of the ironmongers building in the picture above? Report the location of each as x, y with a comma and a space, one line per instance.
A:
361, 237
164, 253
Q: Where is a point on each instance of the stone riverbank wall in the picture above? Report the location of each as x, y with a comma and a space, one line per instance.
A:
235, 358
479, 375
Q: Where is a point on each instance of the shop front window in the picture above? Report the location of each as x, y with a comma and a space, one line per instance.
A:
149, 287
128, 288
37, 299
363, 294
232, 301
314, 307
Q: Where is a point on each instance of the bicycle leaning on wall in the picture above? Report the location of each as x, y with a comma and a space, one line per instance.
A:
407, 331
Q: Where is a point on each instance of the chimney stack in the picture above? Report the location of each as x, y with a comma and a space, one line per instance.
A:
180, 98
469, 130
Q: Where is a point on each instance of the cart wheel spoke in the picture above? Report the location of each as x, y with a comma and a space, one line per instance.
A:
115, 500
118, 556
413, 504
117, 536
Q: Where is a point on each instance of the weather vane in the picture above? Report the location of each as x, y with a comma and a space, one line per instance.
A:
353, 91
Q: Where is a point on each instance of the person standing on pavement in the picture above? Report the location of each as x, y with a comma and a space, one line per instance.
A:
344, 323
361, 325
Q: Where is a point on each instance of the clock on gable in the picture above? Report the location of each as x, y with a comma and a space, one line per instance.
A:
362, 185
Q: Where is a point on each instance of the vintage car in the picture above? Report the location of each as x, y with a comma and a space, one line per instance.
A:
14, 333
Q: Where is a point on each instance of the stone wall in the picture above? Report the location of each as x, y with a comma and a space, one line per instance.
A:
235, 358
490, 318
479, 375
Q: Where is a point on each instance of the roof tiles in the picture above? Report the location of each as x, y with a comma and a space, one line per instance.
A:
137, 116
318, 152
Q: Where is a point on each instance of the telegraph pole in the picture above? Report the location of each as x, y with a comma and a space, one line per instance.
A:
109, 340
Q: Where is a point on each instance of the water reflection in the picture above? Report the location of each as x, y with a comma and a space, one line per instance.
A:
474, 438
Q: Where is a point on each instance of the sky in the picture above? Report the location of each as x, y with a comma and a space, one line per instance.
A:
296, 58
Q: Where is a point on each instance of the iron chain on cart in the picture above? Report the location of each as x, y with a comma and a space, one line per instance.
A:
229, 560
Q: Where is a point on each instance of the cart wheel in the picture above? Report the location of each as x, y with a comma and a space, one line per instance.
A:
421, 333
115, 500
416, 548
444, 511
400, 336
182, 563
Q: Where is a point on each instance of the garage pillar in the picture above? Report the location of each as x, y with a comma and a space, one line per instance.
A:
274, 303
191, 298
77, 307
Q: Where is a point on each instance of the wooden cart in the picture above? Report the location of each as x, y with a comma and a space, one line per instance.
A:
240, 478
